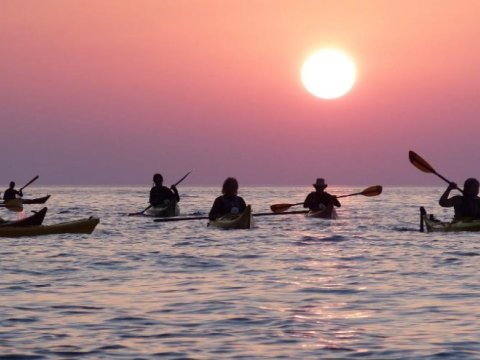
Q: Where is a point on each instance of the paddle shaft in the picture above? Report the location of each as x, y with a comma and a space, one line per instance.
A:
31, 181
207, 218
342, 196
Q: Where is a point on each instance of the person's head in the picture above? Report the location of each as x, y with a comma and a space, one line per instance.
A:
471, 187
230, 186
320, 184
12, 184
158, 179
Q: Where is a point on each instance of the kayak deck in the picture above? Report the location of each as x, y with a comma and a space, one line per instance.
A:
431, 224
163, 211
328, 212
229, 221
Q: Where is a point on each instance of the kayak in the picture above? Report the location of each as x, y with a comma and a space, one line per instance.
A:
230, 221
82, 226
164, 211
328, 212
40, 200
434, 225
33, 220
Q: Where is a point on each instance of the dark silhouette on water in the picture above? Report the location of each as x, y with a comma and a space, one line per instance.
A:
229, 202
11, 193
466, 206
320, 199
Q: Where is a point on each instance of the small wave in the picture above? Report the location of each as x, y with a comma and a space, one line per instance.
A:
463, 253
312, 240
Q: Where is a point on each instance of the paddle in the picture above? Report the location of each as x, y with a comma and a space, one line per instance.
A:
206, 217
424, 166
31, 181
370, 191
149, 206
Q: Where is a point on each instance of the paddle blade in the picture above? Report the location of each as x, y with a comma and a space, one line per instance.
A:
420, 163
14, 205
278, 208
372, 190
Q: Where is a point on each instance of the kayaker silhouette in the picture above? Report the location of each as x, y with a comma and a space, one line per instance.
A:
320, 199
466, 206
161, 195
11, 193
229, 202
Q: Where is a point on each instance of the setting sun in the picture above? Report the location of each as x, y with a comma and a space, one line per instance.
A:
328, 74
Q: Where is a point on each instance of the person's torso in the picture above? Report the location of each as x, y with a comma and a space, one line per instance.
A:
159, 194
9, 194
468, 207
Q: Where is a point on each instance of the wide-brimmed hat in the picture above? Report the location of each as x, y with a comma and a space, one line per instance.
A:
320, 183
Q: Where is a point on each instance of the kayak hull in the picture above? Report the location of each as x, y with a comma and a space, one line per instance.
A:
163, 211
33, 220
241, 221
328, 213
431, 224
40, 200
82, 226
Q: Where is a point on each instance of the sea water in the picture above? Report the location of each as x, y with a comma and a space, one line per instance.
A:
368, 285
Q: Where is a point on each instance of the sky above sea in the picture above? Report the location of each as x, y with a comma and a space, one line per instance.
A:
112, 91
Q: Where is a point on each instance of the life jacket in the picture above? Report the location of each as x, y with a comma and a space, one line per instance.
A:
468, 208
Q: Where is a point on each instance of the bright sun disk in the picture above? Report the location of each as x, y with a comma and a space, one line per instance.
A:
328, 74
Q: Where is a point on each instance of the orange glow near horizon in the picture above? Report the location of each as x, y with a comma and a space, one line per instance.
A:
98, 83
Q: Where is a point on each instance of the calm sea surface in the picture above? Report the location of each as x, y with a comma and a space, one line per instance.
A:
368, 285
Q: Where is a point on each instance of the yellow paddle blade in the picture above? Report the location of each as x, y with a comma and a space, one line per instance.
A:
14, 205
278, 208
420, 163
372, 190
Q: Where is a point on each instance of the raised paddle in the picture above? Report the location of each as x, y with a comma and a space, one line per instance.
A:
168, 219
149, 206
424, 166
31, 181
370, 191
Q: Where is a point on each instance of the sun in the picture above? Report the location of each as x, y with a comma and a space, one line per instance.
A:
328, 74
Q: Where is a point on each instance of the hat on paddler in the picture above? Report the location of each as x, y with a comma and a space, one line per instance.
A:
320, 183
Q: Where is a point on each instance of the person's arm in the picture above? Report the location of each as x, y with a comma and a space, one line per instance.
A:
444, 201
243, 204
175, 193
308, 201
335, 201
151, 199
216, 210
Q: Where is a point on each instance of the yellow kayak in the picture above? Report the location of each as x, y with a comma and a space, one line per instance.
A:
434, 225
169, 210
326, 213
230, 221
83, 226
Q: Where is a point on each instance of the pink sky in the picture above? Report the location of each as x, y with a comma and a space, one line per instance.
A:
109, 92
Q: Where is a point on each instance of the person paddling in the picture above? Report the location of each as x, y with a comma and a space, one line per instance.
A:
320, 199
11, 193
229, 202
161, 195
466, 206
